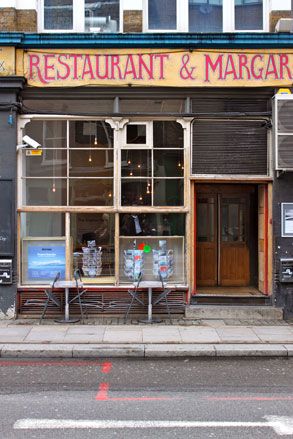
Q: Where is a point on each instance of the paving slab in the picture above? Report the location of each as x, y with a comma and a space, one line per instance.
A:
110, 350
274, 334
36, 351
46, 334
186, 350
125, 335
14, 334
236, 334
250, 350
161, 334
199, 335
84, 334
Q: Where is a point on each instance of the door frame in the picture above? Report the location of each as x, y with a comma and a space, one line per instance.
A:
265, 241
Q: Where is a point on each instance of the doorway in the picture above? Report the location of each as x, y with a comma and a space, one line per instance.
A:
226, 235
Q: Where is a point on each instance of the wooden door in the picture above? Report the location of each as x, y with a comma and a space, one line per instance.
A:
223, 235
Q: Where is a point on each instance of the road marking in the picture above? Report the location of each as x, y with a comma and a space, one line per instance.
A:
102, 395
282, 425
106, 367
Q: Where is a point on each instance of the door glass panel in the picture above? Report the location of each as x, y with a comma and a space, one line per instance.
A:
232, 220
205, 220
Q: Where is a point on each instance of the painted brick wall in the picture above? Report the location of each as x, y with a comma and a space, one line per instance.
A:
22, 20
132, 21
275, 17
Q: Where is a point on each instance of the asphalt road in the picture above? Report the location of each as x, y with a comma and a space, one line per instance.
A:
185, 398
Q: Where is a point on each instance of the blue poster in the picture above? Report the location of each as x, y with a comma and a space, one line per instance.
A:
44, 262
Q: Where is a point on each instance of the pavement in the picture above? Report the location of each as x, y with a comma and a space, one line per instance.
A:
210, 338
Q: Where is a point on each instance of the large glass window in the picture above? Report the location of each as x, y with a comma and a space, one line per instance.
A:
152, 175
93, 246
162, 14
69, 170
248, 14
205, 15
102, 16
159, 238
58, 14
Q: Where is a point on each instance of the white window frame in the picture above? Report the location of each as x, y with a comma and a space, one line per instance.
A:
149, 136
78, 24
228, 17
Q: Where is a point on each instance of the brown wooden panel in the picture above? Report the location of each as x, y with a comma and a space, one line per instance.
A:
234, 268
206, 263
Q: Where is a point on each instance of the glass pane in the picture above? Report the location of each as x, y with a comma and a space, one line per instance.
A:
90, 192
45, 192
167, 134
162, 14
248, 14
136, 134
91, 163
152, 224
205, 15
58, 14
135, 192
93, 245
233, 220
102, 16
90, 134
168, 192
42, 224
50, 134
52, 163
136, 163
168, 163
174, 247
152, 106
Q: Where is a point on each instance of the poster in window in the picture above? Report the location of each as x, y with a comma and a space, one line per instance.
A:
287, 220
43, 259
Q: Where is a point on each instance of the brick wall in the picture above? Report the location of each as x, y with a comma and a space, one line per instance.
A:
275, 17
132, 21
13, 20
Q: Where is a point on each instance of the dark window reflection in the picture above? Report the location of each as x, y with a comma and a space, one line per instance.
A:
168, 192
91, 192
167, 134
136, 134
91, 163
90, 134
135, 192
136, 163
152, 224
168, 163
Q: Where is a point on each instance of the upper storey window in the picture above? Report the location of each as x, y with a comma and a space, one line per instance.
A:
162, 14
65, 15
205, 15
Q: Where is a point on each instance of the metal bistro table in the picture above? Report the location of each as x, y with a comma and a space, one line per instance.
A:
66, 284
150, 285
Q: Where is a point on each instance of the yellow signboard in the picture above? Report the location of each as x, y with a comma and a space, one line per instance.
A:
7, 61
155, 67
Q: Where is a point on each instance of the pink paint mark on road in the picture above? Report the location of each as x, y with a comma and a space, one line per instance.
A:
102, 394
106, 367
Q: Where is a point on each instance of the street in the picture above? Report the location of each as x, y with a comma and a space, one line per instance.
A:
173, 398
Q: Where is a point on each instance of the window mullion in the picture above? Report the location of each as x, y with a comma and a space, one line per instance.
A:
78, 15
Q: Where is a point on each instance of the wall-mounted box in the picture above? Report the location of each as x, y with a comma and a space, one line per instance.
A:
5, 271
286, 270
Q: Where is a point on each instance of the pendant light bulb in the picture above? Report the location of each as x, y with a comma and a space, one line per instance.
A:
95, 141
90, 158
54, 188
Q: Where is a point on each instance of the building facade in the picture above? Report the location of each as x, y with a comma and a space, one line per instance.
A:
138, 129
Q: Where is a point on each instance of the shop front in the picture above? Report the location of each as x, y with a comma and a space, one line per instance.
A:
153, 151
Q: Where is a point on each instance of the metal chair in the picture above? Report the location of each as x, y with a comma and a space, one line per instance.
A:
50, 301
84, 303
163, 295
134, 292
